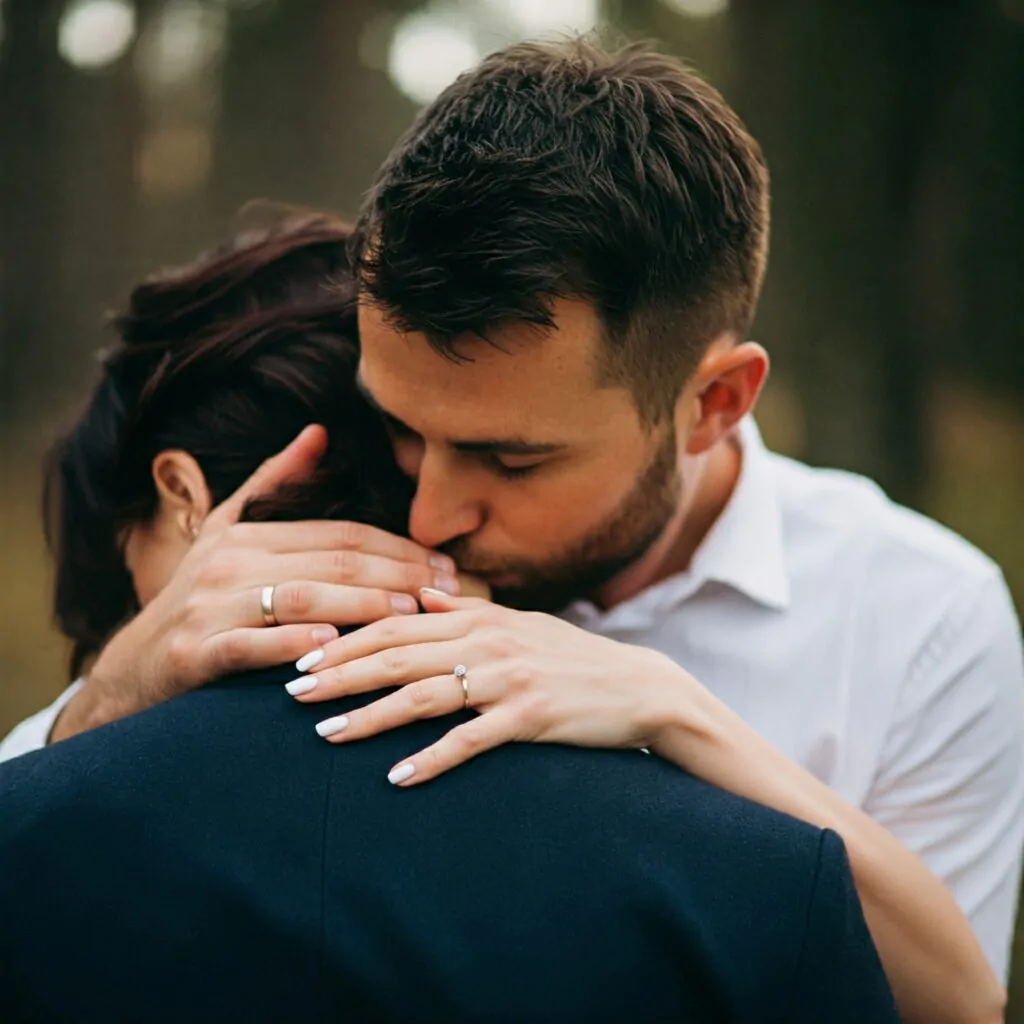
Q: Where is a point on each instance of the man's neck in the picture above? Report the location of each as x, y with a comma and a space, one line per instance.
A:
673, 552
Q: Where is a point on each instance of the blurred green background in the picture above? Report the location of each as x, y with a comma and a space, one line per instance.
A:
131, 134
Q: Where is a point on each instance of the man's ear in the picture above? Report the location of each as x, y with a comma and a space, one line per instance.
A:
725, 388
182, 494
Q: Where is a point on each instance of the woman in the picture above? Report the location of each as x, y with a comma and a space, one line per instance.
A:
219, 366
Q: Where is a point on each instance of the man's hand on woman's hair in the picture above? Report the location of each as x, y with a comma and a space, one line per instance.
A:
208, 622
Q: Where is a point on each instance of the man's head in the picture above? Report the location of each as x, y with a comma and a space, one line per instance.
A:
557, 265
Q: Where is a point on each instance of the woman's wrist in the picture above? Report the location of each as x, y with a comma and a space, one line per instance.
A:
683, 718
702, 735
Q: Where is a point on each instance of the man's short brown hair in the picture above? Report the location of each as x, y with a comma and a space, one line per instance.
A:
561, 170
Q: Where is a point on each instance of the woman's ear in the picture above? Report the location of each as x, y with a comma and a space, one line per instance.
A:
183, 497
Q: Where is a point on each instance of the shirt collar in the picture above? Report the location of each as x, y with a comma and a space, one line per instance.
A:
744, 548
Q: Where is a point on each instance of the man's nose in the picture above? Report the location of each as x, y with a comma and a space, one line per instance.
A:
445, 506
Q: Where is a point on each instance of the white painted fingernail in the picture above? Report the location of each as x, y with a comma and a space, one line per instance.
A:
332, 726
308, 661
401, 773
297, 687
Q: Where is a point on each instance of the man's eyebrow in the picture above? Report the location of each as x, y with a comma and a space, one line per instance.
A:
507, 446
487, 446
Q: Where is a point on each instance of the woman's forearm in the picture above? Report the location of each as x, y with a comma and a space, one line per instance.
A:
87, 709
115, 685
937, 969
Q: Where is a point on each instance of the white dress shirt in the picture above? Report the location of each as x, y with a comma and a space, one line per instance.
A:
872, 646
34, 732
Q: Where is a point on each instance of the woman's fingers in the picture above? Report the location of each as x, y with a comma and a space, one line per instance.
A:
328, 535
428, 698
302, 601
238, 650
390, 651
346, 588
358, 569
295, 462
400, 667
241, 568
395, 635
457, 746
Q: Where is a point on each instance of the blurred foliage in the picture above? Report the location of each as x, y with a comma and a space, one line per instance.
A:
893, 309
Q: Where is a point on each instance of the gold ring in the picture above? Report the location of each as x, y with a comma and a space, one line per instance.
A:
267, 607
460, 672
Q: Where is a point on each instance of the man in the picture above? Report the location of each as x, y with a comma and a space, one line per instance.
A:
559, 265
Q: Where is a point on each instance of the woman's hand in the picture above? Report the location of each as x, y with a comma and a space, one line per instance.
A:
531, 677
208, 621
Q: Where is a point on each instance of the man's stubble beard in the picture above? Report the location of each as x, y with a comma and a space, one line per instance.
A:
605, 551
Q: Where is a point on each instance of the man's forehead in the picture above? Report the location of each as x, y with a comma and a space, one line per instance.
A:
561, 358
569, 349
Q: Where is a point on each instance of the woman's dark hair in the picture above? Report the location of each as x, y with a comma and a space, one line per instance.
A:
227, 359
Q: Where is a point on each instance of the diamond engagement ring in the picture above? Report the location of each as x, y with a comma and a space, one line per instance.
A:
461, 673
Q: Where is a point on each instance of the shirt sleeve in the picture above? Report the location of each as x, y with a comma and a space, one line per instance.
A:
839, 977
951, 784
34, 732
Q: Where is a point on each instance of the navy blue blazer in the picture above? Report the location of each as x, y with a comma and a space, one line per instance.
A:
213, 859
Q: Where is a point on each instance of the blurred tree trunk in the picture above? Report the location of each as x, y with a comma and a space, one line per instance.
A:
303, 120
102, 124
848, 101
990, 142
32, 88
66, 203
